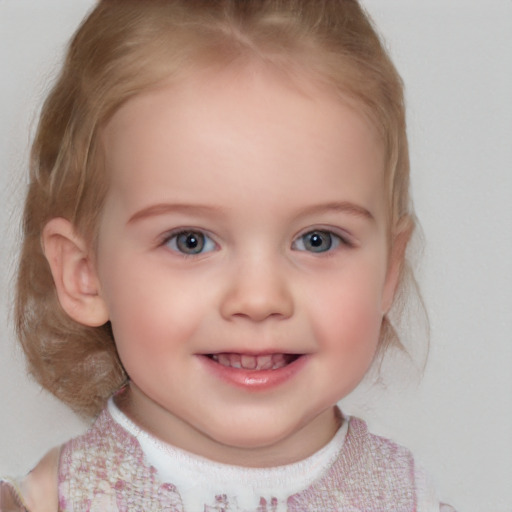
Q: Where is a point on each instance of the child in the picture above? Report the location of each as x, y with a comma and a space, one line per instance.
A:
214, 234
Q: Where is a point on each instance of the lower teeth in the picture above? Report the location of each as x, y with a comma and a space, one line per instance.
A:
269, 363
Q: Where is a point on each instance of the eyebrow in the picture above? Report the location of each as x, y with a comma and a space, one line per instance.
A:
164, 208
341, 207
205, 210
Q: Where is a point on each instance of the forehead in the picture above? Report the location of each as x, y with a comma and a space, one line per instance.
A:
251, 130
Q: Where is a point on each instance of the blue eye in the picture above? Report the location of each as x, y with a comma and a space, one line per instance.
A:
317, 241
190, 242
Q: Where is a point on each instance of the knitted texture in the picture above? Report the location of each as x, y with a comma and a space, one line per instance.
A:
106, 470
372, 474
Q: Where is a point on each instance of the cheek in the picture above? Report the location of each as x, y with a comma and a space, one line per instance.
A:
349, 318
348, 337
351, 327
151, 312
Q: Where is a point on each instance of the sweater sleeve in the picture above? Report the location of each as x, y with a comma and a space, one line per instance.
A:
10, 497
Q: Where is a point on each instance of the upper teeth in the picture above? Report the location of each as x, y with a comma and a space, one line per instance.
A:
249, 362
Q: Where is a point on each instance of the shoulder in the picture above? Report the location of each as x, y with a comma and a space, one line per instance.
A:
381, 449
40, 487
400, 462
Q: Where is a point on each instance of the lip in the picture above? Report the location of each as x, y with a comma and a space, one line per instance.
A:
254, 380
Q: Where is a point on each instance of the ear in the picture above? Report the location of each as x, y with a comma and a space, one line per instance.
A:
74, 274
399, 243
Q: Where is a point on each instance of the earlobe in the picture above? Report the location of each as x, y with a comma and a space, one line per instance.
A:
396, 262
73, 273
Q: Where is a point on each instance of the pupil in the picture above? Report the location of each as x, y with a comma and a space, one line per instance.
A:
318, 241
190, 243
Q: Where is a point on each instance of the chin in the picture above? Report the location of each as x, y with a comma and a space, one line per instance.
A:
258, 444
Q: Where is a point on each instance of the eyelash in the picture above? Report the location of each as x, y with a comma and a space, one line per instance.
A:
335, 240
203, 240
172, 241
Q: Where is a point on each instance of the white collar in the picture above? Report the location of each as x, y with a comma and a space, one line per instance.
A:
200, 480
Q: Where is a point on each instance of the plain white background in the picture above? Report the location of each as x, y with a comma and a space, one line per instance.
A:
456, 59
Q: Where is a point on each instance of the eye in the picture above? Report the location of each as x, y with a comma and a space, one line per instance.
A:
317, 241
190, 242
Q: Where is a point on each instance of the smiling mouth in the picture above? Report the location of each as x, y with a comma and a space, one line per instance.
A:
254, 362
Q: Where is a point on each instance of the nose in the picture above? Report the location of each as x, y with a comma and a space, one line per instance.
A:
258, 290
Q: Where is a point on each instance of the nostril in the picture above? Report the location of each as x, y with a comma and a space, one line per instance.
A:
257, 291
258, 309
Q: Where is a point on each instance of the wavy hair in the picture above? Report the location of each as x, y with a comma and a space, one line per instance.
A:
125, 47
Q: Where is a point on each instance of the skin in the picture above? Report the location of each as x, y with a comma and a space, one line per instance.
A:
254, 164
39, 488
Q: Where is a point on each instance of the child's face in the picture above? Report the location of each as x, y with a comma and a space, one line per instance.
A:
245, 226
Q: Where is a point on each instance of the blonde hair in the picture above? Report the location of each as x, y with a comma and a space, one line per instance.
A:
125, 47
